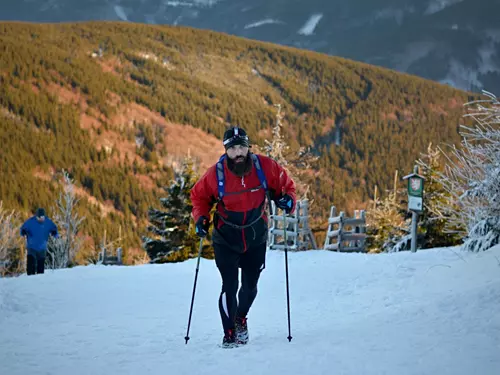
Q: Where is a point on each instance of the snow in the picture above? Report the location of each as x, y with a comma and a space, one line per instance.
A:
486, 54
414, 52
50, 6
430, 312
198, 3
391, 13
206, 2
120, 12
178, 4
436, 6
150, 19
310, 25
461, 76
262, 22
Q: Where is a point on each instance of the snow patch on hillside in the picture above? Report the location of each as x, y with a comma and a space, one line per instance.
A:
266, 21
438, 5
310, 25
120, 12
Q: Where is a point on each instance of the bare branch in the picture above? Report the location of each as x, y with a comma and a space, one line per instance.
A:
294, 162
9, 236
62, 251
472, 176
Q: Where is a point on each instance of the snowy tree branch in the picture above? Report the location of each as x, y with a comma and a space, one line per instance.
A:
9, 236
472, 177
62, 250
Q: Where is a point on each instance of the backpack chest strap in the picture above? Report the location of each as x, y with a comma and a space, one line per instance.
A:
221, 179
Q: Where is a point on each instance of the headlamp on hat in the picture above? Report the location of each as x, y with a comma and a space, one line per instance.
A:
235, 136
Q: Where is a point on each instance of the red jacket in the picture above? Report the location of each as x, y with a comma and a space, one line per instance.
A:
243, 203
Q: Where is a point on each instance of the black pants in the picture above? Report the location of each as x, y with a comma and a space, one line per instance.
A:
252, 262
35, 262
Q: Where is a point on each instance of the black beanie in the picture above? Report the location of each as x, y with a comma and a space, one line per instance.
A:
40, 212
235, 136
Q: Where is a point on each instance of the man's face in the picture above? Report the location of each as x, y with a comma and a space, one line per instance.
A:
40, 219
237, 153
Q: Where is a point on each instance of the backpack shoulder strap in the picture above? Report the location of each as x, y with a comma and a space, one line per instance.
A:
221, 180
220, 176
260, 172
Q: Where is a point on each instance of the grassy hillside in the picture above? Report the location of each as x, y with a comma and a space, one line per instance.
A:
79, 97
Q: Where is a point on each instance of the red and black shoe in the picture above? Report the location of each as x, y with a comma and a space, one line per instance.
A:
229, 340
241, 330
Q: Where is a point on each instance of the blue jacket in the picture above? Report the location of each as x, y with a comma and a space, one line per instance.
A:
38, 233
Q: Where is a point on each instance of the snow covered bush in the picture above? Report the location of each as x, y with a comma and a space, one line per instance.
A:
10, 240
472, 177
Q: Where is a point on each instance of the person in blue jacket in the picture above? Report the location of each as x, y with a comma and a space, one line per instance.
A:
37, 230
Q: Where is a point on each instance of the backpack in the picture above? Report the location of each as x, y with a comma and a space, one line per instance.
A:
221, 178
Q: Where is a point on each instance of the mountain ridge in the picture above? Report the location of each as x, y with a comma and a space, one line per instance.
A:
450, 41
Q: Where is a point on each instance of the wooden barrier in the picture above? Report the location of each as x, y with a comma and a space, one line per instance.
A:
350, 232
111, 260
299, 235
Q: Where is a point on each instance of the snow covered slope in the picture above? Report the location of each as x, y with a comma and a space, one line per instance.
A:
433, 312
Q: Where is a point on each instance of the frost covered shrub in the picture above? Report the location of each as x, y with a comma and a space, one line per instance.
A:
472, 177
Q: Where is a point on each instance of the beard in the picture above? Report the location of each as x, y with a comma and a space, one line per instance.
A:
240, 166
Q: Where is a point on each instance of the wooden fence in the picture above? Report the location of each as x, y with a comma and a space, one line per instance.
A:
299, 235
350, 232
107, 259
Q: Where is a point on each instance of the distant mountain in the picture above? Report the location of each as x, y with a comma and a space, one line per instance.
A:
456, 42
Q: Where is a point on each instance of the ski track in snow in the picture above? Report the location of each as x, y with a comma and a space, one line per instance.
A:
430, 312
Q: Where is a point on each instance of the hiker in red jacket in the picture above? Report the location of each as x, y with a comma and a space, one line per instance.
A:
239, 183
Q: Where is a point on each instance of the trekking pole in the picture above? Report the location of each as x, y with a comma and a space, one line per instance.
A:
194, 290
286, 273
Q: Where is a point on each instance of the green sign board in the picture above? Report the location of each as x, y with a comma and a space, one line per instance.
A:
416, 186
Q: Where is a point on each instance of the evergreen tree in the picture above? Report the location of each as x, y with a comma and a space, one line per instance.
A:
387, 225
434, 218
294, 162
173, 238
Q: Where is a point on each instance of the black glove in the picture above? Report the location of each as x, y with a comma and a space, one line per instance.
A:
285, 203
202, 226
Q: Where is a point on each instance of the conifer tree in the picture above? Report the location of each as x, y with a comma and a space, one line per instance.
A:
387, 225
434, 218
294, 162
172, 231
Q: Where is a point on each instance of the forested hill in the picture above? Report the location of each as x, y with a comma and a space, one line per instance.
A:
80, 96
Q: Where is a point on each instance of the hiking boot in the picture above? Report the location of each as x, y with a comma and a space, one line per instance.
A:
229, 340
241, 330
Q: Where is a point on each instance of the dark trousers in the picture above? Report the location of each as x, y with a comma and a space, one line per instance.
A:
251, 262
35, 262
